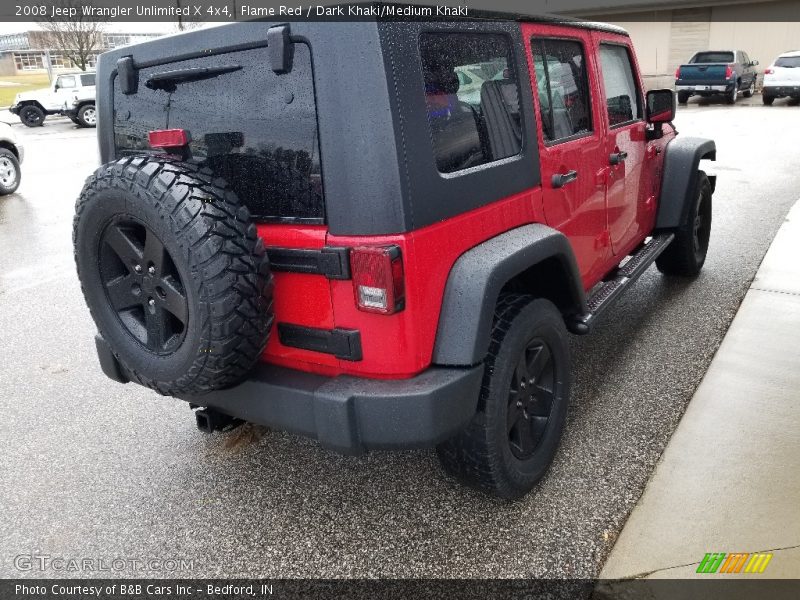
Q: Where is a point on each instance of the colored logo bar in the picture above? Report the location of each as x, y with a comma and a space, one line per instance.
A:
735, 562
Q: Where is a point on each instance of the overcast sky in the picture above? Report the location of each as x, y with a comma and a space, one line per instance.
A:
134, 27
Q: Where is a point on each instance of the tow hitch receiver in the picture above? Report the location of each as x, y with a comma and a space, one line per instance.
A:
209, 421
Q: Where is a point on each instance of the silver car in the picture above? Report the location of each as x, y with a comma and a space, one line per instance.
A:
11, 155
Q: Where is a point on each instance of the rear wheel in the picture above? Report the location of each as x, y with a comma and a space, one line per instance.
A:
512, 439
174, 274
686, 254
767, 99
31, 116
683, 97
87, 116
733, 95
751, 90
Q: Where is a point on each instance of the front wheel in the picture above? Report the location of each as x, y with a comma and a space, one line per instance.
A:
686, 254
513, 437
31, 116
751, 90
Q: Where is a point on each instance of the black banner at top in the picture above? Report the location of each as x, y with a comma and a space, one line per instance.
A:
216, 11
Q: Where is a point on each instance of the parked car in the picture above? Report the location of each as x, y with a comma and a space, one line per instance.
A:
33, 107
782, 78
81, 108
717, 72
11, 154
380, 266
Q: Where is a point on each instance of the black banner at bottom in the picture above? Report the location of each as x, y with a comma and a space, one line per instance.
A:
423, 589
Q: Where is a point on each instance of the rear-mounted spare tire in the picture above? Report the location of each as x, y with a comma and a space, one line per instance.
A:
174, 274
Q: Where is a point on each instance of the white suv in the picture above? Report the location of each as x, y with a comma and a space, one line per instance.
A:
59, 99
782, 78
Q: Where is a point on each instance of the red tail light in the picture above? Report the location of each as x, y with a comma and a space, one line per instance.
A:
728, 72
378, 279
678, 73
168, 138
769, 71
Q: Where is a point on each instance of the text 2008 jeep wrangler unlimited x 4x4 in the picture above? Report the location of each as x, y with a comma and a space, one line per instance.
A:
309, 226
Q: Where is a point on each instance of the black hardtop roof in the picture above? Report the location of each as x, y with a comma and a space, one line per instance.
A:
476, 14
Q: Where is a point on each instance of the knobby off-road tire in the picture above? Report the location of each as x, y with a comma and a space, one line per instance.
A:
686, 254
512, 439
683, 97
32, 116
174, 274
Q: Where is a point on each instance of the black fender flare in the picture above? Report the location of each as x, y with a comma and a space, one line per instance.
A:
478, 276
682, 157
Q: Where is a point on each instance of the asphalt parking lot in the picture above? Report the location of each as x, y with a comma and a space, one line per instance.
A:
93, 469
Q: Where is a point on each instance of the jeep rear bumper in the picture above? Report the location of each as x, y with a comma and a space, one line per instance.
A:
779, 91
346, 414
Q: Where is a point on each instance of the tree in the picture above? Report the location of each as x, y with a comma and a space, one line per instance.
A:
79, 38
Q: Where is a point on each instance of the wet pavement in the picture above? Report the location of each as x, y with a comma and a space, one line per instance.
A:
91, 468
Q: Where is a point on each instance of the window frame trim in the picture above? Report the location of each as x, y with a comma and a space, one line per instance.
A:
636, 83
512, 59
576, 136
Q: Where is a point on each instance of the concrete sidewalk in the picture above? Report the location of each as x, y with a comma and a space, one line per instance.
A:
729, 480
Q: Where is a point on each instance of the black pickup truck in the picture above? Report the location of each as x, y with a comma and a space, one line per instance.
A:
716, 72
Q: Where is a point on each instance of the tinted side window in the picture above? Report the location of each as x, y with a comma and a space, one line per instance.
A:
256, 129
472, 98
622, 94
562, 86
87, 79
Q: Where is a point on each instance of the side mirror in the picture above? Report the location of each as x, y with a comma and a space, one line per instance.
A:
56, 86
754, 63
660, 106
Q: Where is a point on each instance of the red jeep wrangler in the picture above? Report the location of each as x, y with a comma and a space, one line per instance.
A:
378, 234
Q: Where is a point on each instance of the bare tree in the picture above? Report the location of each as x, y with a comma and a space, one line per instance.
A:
79, 38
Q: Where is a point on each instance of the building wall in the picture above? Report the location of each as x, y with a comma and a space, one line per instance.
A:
665, 39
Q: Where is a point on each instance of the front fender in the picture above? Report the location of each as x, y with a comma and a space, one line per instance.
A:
681, 162
478, 276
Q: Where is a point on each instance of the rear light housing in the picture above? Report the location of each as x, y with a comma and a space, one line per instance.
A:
168, 138
769, 71
728, 72
378, 279
678, 73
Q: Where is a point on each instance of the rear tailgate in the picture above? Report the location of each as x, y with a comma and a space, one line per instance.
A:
258, 131
785, 72
702, 74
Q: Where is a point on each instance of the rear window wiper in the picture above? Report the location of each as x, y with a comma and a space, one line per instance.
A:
169, 80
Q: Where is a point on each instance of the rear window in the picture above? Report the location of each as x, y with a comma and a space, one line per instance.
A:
256, 129
471, 97
712, 57
789, 62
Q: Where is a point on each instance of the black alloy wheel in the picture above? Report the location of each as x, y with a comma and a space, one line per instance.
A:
143, 285
530, 399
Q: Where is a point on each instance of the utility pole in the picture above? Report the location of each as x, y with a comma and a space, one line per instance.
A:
48, 64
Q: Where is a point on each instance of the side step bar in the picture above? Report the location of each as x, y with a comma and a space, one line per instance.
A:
624, 276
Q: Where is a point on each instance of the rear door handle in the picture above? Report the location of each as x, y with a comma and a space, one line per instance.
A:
562, 179
617, 157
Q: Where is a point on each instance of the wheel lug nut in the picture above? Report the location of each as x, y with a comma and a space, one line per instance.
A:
137, 268
519, 403
151, 270
151, 302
